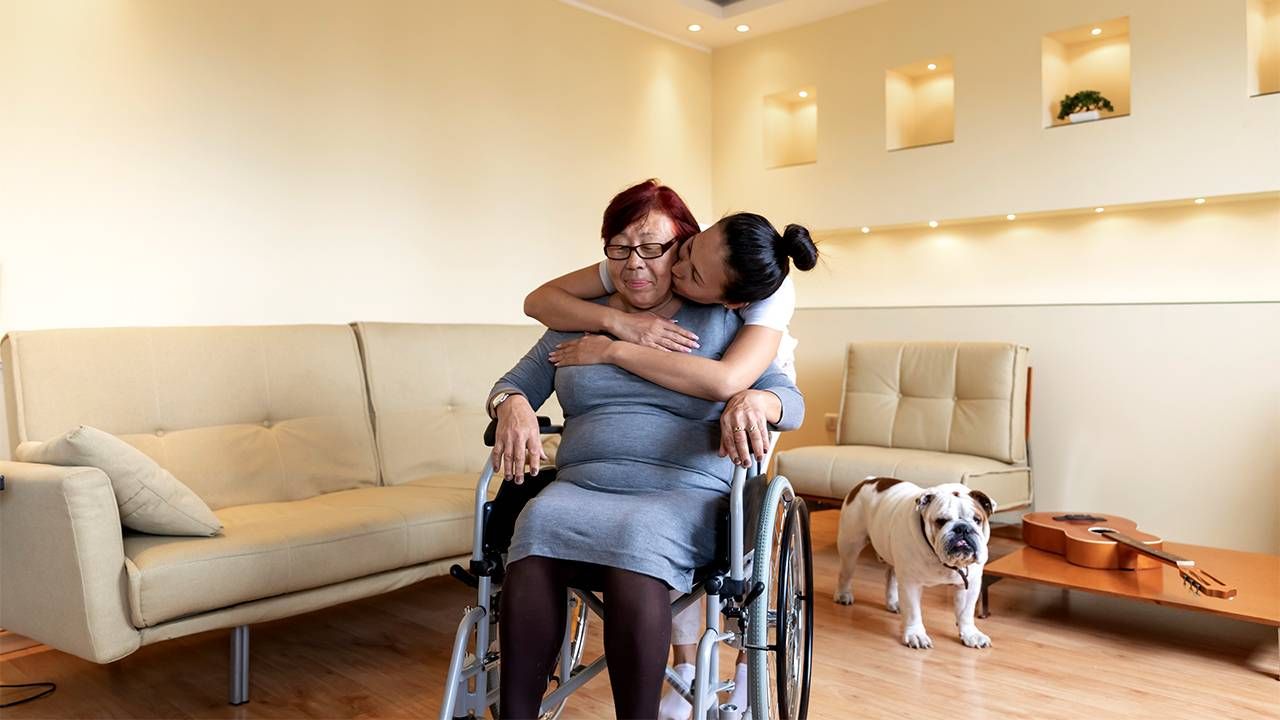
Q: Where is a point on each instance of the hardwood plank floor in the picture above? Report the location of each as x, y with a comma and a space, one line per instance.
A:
1056, 655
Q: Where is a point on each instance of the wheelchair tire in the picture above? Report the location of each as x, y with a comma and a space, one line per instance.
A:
793, 666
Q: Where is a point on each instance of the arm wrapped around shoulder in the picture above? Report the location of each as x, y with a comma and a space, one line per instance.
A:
62, 550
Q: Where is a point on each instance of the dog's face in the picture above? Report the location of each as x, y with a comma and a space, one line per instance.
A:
956, 523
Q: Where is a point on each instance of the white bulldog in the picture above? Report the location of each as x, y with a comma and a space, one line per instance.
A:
928, 536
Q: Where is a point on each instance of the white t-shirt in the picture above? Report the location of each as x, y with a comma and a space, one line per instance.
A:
773, 312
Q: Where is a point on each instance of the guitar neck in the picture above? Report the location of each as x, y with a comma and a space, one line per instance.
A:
1162, 556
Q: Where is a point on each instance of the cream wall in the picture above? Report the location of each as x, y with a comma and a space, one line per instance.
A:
1224, 250
1003, 160
1165, 413
187, 162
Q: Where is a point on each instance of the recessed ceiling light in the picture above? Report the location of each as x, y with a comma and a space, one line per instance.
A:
743, 28
933, 223
933, 66
1199, 201
695, 28
804, 93
1096, 31
1098, 210
865, 229
1010, 216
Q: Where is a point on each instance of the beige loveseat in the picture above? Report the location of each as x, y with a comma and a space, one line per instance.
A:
341, 460
929, 413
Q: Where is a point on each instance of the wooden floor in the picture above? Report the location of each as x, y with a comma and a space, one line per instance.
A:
1056, 655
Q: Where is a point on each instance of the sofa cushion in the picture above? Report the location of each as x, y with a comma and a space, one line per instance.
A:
151, 499
831, 471
427, 389
268, 549
957, 397
241, 414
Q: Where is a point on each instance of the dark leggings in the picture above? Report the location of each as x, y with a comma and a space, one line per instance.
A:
637, 631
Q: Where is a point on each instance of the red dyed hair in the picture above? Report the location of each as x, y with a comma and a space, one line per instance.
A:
637, 201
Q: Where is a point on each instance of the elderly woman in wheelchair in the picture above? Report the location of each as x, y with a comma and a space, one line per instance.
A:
636, 507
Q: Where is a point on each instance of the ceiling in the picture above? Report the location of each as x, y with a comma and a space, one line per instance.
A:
718, 18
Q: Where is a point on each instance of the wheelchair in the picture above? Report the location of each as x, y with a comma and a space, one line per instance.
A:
768, 613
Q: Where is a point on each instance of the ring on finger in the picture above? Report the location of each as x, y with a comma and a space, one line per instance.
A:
751, 428
739, 429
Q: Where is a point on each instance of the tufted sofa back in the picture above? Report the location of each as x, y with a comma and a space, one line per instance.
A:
956, 397
427, 388
240, 414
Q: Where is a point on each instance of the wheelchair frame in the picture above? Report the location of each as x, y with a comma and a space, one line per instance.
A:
471, 685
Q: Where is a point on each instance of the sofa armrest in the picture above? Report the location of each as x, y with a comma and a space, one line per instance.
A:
62, 557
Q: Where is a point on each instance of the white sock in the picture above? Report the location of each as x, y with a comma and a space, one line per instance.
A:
674, 706
739, 696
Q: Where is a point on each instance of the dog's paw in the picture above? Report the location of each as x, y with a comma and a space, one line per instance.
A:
891, 605
916, 638
843, 598
974, 638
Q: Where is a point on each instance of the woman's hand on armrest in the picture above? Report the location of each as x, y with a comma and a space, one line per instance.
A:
518, 441
744, 425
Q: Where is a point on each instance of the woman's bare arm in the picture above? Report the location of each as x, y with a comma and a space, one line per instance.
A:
564, 304
745, 360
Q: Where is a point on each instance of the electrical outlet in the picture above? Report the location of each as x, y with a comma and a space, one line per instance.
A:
831, 421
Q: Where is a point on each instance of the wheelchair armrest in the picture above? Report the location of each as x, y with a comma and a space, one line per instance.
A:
544, 426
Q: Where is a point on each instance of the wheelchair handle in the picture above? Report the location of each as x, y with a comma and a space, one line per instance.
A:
544, 426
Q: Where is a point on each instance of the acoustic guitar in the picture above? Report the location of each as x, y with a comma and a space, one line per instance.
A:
1114, 543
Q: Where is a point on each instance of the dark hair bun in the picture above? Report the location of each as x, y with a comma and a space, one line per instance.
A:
799, 246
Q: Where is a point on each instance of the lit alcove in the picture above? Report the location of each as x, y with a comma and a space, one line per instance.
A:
919, 104
1264, 47
791, 128
1090, 57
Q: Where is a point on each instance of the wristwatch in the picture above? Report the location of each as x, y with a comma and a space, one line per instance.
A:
498, 400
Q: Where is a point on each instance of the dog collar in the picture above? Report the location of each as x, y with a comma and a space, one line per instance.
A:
964, 574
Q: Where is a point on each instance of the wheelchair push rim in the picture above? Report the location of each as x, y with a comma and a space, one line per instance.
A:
793, 657
770, 632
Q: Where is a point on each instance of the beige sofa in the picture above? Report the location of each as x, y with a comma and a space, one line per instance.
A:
929, 413
342, 461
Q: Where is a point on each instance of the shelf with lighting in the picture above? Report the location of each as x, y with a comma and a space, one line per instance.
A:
1264, 47
919, 102
1088, 57
791, 128
1032, 216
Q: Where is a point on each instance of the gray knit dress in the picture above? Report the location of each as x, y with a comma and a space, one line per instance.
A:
640, 483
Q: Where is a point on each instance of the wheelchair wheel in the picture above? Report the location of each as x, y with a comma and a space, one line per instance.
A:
773, 607
793, 653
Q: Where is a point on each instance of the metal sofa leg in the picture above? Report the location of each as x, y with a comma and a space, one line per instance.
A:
239, 665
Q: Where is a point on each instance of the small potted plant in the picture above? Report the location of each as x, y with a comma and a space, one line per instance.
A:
1084, 106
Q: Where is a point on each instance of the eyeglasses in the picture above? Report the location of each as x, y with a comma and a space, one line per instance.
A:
648, 251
